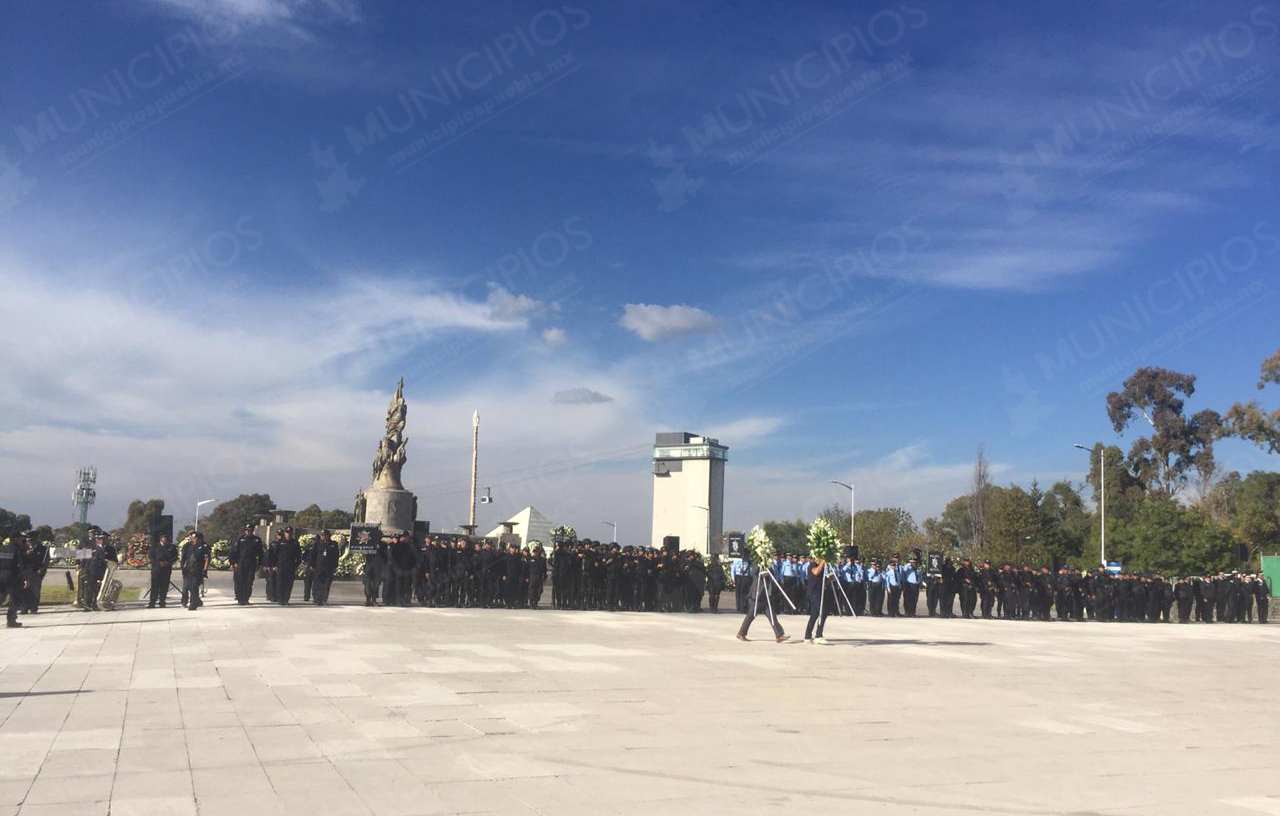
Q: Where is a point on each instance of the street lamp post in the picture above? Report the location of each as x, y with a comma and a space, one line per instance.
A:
200, 504
1102, 476
615, 530
852, 509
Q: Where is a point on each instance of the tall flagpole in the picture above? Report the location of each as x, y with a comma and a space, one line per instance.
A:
475, 461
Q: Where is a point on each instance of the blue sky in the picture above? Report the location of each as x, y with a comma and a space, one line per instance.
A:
854, 240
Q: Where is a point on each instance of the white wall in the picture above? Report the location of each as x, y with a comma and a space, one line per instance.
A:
700, 483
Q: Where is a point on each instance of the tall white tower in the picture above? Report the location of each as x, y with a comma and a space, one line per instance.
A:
688, 491
85, 494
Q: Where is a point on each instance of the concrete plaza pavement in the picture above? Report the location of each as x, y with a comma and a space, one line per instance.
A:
235, 711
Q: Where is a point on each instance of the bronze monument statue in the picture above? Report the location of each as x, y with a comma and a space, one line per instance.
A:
385, 502
391, 455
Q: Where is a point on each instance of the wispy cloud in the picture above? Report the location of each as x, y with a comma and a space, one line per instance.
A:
655, 323
555, 337
580, 396
267, 11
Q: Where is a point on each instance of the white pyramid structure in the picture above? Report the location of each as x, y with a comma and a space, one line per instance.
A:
530, 525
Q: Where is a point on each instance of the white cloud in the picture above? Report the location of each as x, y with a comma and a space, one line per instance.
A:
555, 338
267, 11
580, 396
654, 323
743, 432
507, 307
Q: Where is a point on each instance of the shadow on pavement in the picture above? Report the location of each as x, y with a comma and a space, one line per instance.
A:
902, 642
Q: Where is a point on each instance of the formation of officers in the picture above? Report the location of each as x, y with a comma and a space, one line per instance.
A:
599, 576
461, 573
892, 588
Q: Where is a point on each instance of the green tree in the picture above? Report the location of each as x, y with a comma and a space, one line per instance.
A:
228, 519
1250, 420
1065, 523
884, 532
979, 504
1014, 529
73, 532
1220, 503
955, 526
141, 517
1178, 445
1169, 538
312, 517
788, 536
1125, 495
12, 524
838, 517
1256, 511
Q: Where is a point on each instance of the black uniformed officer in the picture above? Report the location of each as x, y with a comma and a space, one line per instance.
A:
269, 566
375, 569
103, 554
325, 564
195, 563
34, 563
288, 557
164, 554
246, 556
715, 583
11, 583
537, 575
308, 561
512, 577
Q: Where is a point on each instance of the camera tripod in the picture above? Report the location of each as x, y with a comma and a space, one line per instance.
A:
829, 575
769, 576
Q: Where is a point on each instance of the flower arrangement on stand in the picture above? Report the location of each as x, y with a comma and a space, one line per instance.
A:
760, 546
350, 564
138, 550
564, 534
824, 541
220, 555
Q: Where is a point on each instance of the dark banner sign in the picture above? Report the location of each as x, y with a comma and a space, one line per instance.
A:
365, 538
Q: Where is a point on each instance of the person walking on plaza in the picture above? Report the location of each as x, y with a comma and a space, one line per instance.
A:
288, 557
164, 554
822, 600
195, 563
758, 602
246, 557
325, 564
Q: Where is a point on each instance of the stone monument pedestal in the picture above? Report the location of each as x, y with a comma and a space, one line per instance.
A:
391, 508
